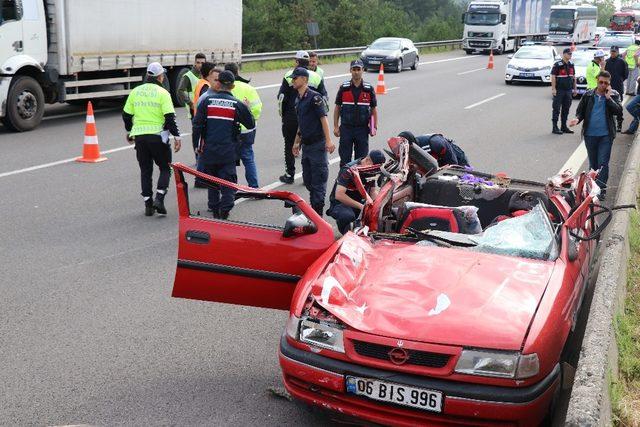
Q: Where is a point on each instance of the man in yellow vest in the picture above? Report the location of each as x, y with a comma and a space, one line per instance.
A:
631, 58
149, 118
594, 68
188, 82
313, 64
249, 96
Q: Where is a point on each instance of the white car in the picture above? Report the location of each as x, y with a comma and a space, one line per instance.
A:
599, 33
531, 63
581, 58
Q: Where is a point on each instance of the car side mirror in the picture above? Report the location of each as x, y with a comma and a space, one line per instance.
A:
298, 225
404, 49
504, 18
572, 250
510, 56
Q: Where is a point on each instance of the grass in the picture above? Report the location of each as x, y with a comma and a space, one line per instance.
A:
625, 390
283, 64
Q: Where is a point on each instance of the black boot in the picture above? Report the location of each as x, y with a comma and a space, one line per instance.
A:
287, 178
148, 207
556, 130
224, 214
565, 129
158, 204
319, 209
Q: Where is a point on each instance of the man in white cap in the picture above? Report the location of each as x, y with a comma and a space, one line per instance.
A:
149, 118
286, 102
594, 68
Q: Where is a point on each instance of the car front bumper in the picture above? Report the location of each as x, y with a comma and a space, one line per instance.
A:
374, 63
542, 76
320, 381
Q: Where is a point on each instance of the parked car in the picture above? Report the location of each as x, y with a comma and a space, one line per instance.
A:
394, 52
531, 63
599, 33
620, 39
446, 305
581, 58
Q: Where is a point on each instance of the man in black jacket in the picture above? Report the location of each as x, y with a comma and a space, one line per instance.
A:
619, 71
597, 109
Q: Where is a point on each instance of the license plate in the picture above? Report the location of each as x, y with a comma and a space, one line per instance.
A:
414, 397
526, 74
374, 62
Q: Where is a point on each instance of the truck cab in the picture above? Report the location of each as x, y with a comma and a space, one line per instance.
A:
23, 56
486, 27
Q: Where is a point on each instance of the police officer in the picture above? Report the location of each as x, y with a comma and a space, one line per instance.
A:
563, 87
355, 105
631, 58
149, 117
249, 96
217, 120
619, 70
314, 137
345, 200
444, 150
594, 68
313, 64
287, 96
188, 82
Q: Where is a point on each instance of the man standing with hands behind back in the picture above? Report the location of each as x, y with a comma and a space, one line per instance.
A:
314, 137
563, 87
597, 109
619, 72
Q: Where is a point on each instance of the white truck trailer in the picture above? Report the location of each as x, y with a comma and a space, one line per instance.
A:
502, 26
73, 50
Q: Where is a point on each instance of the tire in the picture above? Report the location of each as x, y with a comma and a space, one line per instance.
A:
500, 51
468, 51
25, 104
175, 75
415, 64
399, 66
509, 82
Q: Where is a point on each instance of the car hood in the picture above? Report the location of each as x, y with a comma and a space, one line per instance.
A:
432, 294
378, 52
531, 63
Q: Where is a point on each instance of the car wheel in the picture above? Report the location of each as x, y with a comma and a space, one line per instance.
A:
399, 66
468, 51
509, 82
415, 64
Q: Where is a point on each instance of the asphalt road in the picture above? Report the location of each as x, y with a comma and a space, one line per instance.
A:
89, 333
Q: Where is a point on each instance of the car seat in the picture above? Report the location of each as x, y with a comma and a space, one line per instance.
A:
427, 217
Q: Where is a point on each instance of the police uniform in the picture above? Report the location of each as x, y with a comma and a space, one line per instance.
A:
147, 113
216, 127
310, 108
565, 75
356, 106
440, 148
343, 214
287, 96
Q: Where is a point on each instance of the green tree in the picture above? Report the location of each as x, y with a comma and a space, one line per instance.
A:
606, 9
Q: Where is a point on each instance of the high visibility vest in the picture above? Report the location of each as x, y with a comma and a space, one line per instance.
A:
320, 72
314, 79
630, 55
247, 93
593, 70
197, 90
193, 79
148, 103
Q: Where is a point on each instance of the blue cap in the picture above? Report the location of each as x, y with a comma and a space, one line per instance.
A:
226, 77
357, 63
377, 157
299, 72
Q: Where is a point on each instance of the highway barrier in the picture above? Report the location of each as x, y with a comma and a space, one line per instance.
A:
590, 403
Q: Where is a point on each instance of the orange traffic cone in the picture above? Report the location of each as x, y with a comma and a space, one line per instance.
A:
381, 89
490, 64
573, 46
90, 149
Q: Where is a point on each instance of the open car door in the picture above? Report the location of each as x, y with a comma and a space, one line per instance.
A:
242, 262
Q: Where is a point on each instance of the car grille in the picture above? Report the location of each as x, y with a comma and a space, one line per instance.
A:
416, 357
479, 43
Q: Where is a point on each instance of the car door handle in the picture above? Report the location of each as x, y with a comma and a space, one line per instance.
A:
197, 237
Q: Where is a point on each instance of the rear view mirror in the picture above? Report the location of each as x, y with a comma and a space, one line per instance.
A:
510, 56
404, 49
504, 18
298, 225
572, 250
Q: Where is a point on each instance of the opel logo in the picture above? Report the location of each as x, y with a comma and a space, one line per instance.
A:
398, 356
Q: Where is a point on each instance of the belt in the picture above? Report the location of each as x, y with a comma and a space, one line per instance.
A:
311, 139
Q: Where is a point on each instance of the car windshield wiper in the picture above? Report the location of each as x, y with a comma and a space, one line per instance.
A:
437, 236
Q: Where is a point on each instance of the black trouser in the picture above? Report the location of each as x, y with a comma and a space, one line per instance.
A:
289, 131
562, 99
150, 149
620, 89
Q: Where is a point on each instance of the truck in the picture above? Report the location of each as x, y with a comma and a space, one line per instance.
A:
625, 20
502, 26
55, 51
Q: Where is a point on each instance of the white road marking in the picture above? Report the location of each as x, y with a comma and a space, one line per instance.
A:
468, 107
472, 71
457, 58
579, 156
393, 88
62, 162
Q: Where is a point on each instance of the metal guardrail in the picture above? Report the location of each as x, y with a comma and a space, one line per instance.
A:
251, 57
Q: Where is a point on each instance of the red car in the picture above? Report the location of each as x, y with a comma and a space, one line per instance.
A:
450, 303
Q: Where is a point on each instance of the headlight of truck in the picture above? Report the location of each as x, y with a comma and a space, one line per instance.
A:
497, 364
321, 335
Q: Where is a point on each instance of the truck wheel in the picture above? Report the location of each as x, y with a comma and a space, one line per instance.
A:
25, 104
500, 50
175, 75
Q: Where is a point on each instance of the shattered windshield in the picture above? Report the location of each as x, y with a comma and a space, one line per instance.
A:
529, 236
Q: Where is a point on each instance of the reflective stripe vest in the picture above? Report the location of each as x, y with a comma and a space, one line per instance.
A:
314, 79
248, 95
355, 112
197, 90
148, 103
193, 79
593, 70
629, 56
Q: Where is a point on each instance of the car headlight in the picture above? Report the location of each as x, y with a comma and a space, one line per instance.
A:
292, 327
545, 68
321, 335
498, 364
509, 66
392, 57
